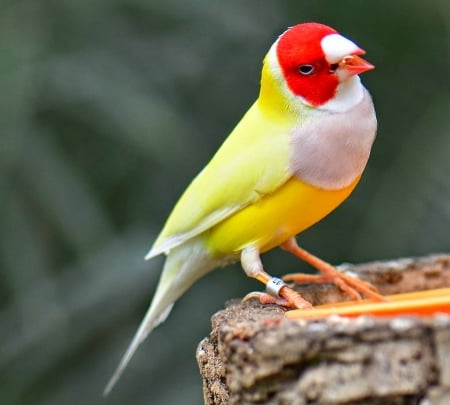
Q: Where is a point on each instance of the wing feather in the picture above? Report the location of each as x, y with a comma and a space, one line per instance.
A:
251, 163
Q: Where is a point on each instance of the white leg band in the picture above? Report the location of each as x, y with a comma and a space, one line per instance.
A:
274, 286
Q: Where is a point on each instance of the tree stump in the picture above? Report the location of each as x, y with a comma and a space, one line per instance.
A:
254, 355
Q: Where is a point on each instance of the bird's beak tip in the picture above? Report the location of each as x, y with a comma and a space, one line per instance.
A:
354, 64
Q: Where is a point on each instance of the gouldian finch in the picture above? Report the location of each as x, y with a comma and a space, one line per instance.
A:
297, 153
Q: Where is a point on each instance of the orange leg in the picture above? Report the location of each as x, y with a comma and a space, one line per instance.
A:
277, 291
352, 286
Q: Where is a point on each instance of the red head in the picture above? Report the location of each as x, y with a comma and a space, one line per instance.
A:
315, 59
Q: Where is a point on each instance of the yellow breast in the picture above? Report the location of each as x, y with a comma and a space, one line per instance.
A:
275, 218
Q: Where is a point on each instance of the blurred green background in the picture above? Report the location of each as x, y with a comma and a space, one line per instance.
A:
109, 107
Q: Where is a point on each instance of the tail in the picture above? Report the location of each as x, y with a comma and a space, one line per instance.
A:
183, 266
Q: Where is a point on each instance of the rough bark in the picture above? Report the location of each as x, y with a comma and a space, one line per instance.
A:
254, 355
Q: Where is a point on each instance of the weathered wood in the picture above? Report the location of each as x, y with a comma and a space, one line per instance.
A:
254, 355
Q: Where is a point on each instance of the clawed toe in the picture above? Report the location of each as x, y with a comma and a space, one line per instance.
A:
288, 298
353, 287
266, 299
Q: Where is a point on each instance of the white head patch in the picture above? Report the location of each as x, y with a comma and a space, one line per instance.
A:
335, 47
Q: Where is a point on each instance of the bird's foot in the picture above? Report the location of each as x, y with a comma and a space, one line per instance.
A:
351, 286
286, 297
277, 292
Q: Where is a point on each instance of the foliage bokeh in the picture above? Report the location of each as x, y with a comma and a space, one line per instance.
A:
109, 108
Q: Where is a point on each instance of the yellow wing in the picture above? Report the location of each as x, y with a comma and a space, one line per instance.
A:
251, 163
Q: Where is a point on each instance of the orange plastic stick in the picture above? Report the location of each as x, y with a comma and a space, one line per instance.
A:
421, 303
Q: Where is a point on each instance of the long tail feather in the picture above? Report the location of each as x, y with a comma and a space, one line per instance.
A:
183, 266
147, 325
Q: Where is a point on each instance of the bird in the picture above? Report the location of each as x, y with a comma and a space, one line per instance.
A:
296, 154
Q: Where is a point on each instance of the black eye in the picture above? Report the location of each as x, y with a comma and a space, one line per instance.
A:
333, 67
306, 69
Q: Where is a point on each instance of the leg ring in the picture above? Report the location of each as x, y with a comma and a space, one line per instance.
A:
274, 286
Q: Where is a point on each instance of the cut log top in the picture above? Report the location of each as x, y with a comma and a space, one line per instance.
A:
255, 355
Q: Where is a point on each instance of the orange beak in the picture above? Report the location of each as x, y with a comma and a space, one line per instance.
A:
354, 65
